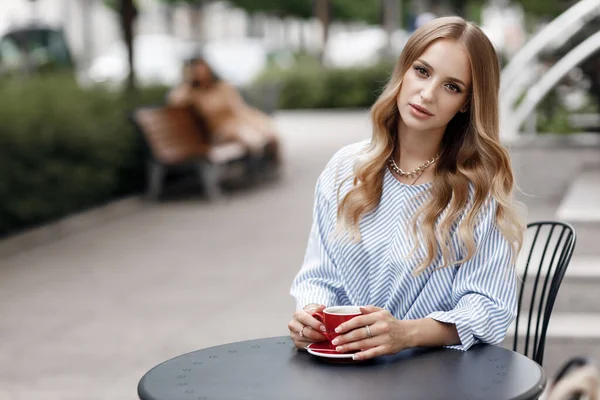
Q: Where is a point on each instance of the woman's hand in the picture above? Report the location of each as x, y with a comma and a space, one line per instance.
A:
304, 329
179, 96
375, 333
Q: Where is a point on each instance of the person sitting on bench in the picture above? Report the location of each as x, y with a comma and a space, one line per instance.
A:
225, 113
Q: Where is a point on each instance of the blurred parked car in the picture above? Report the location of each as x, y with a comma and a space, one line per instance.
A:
34, 48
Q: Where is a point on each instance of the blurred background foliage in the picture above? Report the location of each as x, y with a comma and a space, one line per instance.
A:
309, 85
64, 148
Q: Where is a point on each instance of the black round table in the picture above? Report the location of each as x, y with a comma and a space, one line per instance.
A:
272, 368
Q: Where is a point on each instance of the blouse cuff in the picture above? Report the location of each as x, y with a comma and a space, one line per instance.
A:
460, 319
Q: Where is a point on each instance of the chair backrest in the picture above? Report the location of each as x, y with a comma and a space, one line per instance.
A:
542, 264
173, 134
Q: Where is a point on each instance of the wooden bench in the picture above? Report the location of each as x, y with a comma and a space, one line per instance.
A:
176, 137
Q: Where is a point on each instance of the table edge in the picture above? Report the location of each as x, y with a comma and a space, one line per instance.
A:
533, 393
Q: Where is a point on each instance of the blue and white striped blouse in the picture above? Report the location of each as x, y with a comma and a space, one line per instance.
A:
478, 296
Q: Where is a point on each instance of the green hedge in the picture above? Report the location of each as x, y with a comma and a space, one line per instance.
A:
310, 86
64, 149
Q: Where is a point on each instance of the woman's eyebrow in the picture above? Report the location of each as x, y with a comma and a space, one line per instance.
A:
432, 69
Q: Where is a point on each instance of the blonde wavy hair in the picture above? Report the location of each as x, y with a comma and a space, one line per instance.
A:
471, 158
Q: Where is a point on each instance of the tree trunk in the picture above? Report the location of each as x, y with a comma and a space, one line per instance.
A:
88, 42
390, 19
196, 17
323, 14
128, 14
169, 15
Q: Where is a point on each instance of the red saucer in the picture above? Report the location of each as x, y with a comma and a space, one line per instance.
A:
325, 349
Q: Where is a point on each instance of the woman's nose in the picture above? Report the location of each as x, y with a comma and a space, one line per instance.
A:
427, 93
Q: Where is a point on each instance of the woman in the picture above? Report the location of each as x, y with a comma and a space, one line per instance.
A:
225, 113
418, 224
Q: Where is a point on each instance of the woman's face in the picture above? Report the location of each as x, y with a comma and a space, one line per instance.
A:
435, 87
202, 73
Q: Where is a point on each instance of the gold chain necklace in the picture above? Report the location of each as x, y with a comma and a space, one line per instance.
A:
415, 171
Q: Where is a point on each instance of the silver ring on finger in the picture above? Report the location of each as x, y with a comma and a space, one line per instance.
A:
301, 331
368, 328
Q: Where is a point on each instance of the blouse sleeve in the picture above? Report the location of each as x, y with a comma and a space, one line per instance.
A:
484, 289
318, 280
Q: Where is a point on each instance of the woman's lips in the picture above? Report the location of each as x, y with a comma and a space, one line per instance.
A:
419, 112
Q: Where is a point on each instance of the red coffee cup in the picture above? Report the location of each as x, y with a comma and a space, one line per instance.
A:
332, 317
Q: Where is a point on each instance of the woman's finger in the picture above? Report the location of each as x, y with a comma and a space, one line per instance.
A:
370, 353
294, 325
356, 322
363, 344
311, 308
308, 333
306, 318
370, 309
311, 334
354, 335
299, 342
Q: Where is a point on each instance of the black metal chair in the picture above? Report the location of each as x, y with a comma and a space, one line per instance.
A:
548, 248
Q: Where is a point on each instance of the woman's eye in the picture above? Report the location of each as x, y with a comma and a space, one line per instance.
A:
421, 71
453, 87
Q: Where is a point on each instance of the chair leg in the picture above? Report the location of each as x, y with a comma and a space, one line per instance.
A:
253, 163
156, 174
210, 176
272, 162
